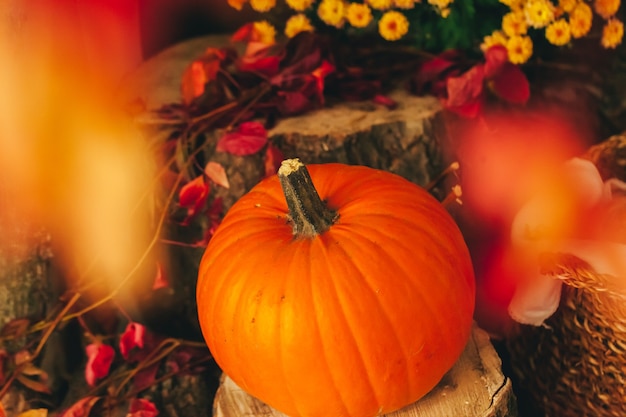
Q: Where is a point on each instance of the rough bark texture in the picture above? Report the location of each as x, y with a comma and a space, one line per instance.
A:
474, 387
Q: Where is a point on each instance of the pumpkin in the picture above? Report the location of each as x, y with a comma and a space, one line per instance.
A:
352, 297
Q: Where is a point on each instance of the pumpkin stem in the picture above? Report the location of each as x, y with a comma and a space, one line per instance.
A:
308, 214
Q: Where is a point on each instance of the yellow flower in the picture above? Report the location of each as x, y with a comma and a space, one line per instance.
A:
332, 12
513, 4
380, 4
519, 49
445, 12
580, 20
393, 25
404, 4
262, 5
612, 33
359, 15
299, 5
539, 13
236, 4
568, 5
558, 33
514, 23
296, 24
496, 38
442, 4
264, 32
606, 8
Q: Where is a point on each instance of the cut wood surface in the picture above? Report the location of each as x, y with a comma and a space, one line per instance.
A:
474, 387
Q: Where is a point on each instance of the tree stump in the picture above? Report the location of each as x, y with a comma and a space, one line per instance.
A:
474, 387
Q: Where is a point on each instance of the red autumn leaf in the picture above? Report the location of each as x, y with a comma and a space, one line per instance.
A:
99, 359
200, 72
259, 57
81, 408
140, 407
385, 101
249, 138
272, 160
215, 218
216, 173
192, 196
243, 34
160, 281
432, 75
3, 358
3, 413
511, 84
465, 92
133, 337
495, 59
320, 73
146, 377
293, 102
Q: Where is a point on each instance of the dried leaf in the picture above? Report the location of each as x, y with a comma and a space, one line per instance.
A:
216, 173
145, 378
192, 196
495, 58
320, 73
3, 358
200, 72
21, 357
511, 84
32, 384
38, 412
15, 328
81, 408
99, 359
249, 138
385, 101
465, 92
272, 160
160, 281
140, 407
133, 337
432, 75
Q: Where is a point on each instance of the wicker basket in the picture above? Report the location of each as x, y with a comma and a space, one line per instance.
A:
576, 364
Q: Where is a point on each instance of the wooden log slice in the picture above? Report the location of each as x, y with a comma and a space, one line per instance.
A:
474, 387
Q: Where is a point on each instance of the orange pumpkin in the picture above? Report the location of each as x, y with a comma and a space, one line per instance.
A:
355, 304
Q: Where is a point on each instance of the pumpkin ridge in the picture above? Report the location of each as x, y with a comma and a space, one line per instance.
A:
350, 328
413, 283
322, 245
390, 323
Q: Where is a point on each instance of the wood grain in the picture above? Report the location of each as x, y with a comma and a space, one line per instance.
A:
474, 387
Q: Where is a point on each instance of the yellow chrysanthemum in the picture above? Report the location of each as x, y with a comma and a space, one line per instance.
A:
264, 32
513, 4
296, 24
558, 32
496, 38
237, 4
445, 12
404, 4
299, 5
514, 23
359, 15
580, 20
441, 4
332, 12
262, 5
519, 49
568, 5
606, 8
539, 13
380, 4
393, 25
612, 33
